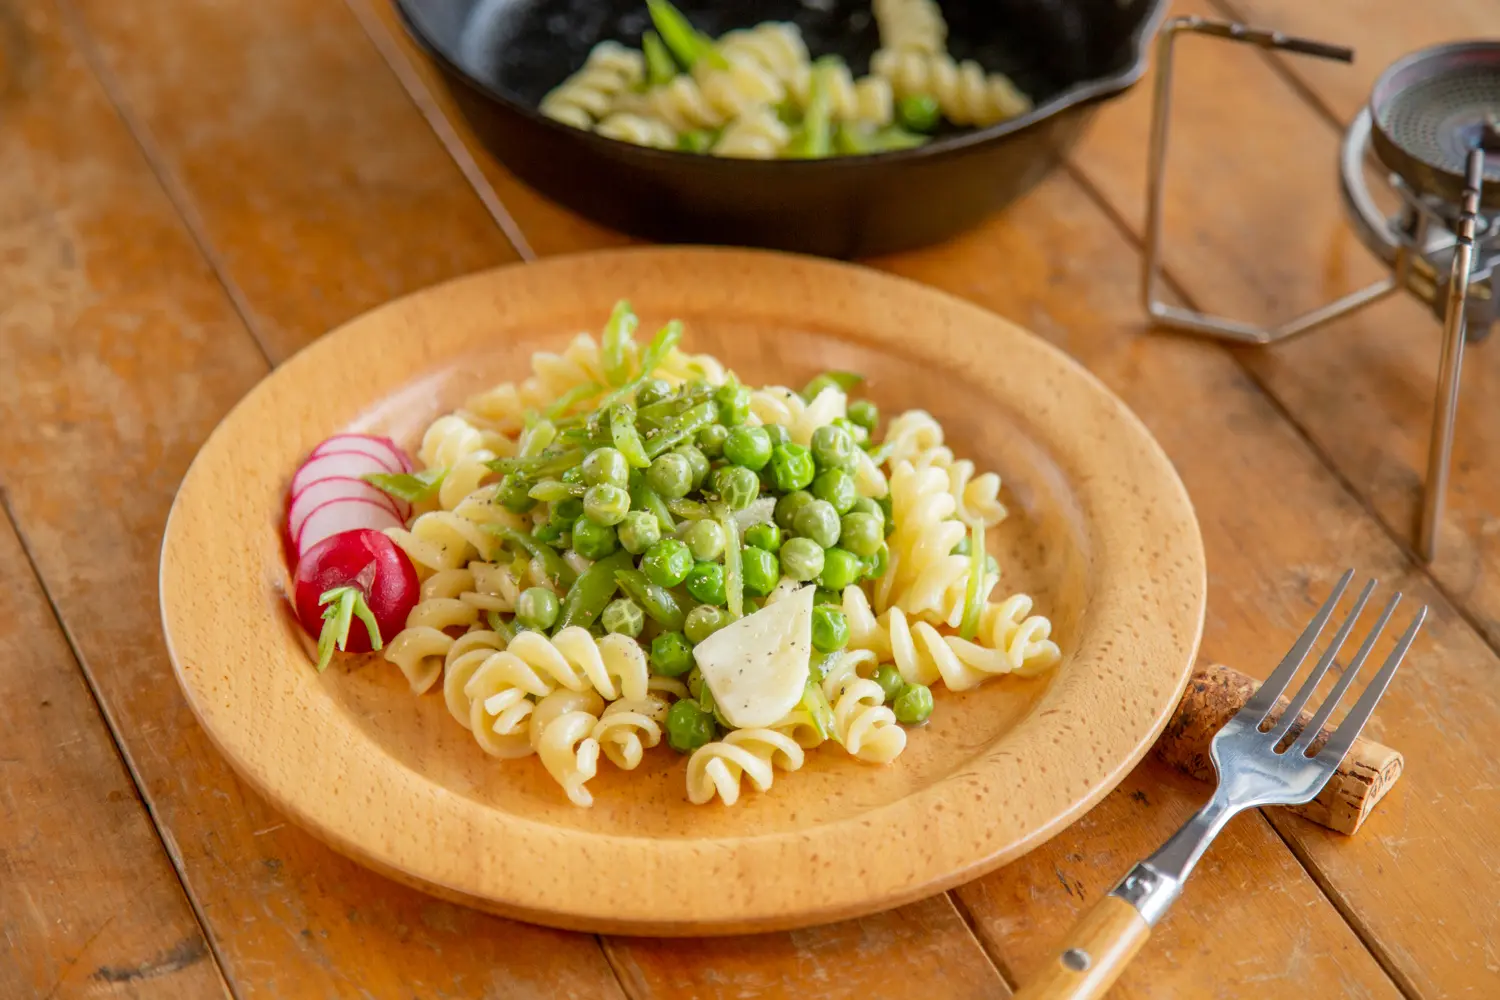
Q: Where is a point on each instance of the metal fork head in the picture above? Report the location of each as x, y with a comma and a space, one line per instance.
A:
1251, 771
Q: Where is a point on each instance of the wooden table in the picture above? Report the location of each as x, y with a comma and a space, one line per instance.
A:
191, 191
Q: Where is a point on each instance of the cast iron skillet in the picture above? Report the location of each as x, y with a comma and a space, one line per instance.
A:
499, 57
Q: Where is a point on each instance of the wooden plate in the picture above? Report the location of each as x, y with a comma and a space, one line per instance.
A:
1102, 535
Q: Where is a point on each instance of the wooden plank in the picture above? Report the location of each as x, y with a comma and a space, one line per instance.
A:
81, 914
131, 351
917, 952
1049, 282
1275, 242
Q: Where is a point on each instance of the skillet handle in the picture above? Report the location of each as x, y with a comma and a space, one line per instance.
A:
1093, 955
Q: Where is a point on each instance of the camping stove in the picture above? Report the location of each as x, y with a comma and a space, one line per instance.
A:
1432, 130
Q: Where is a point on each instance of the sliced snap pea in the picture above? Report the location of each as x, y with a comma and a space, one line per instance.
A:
643, 497
540, 466
594, 588
620, 328
814, 138
660, 66
734, 577
689, 510
681, 428
972, 598
626, 438
657, 602
559, 572
686, 43
553, 490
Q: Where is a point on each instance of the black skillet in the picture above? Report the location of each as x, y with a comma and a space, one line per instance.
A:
500, 56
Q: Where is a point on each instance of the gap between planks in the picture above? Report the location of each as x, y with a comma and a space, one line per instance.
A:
136, 782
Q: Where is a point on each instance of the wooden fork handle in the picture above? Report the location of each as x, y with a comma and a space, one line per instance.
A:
1094, 954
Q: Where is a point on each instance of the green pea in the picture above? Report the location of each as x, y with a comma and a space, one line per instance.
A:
857, 434
705, 540
918, 112
864, 413
711, 440
801, 558
639, 531
880, 561
819, 522
564, 512
688, 726
622, 616
749, 447
864, 505
841, 568
836, 487
914, 704
832, 447
822, 595
788, 506
697, 462
671, 654
792, 466
670, 475
706, 583
763, 536
737, 486
860, 533
830, 629
607, 466
550, 533
812, 390
667, 563
593, 540
652, 390
778, 434
606, 505
703, 621
514, 495
889, 679
759, 570
734, 403
537, 608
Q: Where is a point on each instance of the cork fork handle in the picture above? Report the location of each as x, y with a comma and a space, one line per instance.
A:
1093, 955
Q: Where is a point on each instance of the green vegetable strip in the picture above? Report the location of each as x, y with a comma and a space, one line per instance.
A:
562, 404
972, 598
542, 466
689, 510
626, 438
815, 138
666, 338
681, 428
734, 577
815, 703
501, 627
660, 66
643, 497
893, 137
413, 488
592, 590
553, 490
657, 602
559, 572
686, 43
617, 336
685, 397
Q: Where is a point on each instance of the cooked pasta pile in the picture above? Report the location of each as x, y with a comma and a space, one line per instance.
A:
630, 547
755, 93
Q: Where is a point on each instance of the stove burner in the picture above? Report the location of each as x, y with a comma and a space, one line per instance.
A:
1430, 109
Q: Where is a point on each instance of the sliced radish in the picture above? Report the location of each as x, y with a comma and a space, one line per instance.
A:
336, 465
380, 447
338, 516
315, 495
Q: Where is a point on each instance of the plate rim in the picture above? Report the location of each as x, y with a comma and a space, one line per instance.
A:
502, 892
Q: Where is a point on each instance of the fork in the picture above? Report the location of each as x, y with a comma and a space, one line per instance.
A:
1251, 773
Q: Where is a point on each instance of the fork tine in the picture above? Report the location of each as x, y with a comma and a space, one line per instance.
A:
1343, 737
1324, 662
1256, 708
1315, 724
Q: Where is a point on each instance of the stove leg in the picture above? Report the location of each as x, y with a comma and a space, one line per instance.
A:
1440, 449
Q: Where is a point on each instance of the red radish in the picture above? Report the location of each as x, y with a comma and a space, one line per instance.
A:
380, 447
324, 491
338, 516
335, 465
354, 590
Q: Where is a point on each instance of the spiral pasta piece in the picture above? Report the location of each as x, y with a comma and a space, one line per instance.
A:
681, 104
965, 93
776, 46
495, 587
799, 726
418, 653
1008, 629
628, 728
923, 574
911, 26
587, 95
418, 650
560, 733
776, 404
638, 130
449, 539
756, 135
613, 666
915, 437
715, 769
870, 100
496, 691
865, 727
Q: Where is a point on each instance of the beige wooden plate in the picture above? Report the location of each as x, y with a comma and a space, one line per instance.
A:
1102, 535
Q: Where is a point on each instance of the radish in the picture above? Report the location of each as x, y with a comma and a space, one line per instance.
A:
354, 590
380, 447
338, 516
315, 495
335, 465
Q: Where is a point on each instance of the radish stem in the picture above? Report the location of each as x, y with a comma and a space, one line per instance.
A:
342, 606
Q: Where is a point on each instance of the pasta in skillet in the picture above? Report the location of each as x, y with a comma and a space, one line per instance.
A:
639, 528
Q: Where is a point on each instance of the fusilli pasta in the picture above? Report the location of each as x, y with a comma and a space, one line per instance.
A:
966, 94
775, 45
588, 93
865, 727
911, 26
715, 769
756, 135
560, 732
638, 129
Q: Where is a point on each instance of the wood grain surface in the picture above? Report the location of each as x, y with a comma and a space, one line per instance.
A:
1300, 460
